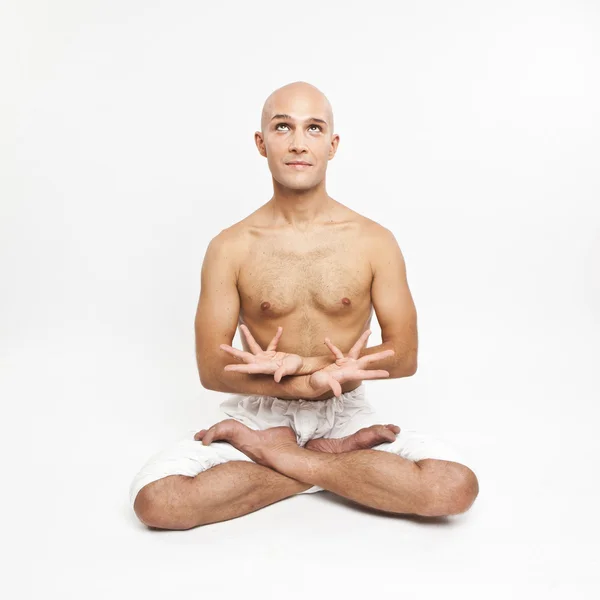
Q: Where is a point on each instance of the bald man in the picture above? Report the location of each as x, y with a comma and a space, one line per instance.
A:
301, 276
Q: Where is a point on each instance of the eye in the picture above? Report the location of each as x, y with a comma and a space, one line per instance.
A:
286, 125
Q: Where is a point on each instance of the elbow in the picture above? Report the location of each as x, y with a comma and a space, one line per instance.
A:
409, 367
210, 382
206, 382
209, 373
413, 363
206, 371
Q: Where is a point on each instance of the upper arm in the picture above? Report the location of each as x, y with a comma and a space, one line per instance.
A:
218, 306
391, 297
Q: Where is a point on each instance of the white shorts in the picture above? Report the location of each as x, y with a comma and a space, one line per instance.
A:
335, 417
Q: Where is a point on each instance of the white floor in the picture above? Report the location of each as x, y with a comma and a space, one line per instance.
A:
533, 529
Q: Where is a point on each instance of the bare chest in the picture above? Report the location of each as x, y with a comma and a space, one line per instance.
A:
329, 278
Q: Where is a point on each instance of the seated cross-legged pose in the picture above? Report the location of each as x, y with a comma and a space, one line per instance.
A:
301, 277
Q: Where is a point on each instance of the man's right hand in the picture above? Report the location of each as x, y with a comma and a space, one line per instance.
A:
347, 368
267, 362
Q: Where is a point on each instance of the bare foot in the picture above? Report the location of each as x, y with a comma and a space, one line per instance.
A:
259, 445
363, 439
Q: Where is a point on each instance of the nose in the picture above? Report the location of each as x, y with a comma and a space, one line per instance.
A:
297, 143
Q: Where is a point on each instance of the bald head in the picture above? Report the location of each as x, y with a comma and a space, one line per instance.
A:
304, 96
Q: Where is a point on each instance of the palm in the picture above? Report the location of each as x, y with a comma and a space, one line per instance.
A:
268, 362
352, 367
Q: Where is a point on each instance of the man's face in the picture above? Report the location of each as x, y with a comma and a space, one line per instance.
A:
297, 130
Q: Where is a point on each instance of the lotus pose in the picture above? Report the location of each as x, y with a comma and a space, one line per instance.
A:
296, 418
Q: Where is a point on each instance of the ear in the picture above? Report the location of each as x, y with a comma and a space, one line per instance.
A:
260, 143
335, 140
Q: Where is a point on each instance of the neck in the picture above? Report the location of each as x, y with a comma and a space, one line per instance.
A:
300, 207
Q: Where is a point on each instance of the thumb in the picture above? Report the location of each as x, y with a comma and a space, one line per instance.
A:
389, 434
209, 436
279, 374
336, 388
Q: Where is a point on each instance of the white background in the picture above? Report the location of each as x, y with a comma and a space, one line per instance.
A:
470, 129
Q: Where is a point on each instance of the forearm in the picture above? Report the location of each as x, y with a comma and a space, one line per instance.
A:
401, 364
232, 382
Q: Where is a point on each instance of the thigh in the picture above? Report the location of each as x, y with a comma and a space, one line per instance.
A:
419, 446
184, 457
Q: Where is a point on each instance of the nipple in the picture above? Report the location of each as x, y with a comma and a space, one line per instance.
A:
265, 306
346, 301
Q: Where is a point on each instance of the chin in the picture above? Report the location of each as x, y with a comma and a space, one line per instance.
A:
298, 183
294, 185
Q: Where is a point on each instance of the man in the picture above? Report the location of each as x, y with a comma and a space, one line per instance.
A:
300, 273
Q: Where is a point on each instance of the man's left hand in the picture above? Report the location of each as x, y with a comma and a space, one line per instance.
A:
351, 367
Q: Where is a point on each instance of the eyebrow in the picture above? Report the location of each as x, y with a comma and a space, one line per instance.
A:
283, 116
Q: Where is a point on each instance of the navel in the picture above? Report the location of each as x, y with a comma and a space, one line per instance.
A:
346, 301
265, 306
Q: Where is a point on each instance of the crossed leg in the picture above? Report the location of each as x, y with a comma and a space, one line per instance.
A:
221, 493
381, 480
388, 482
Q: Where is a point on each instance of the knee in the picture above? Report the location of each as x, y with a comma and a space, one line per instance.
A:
464, 491
454, 493
149, 506
153, 508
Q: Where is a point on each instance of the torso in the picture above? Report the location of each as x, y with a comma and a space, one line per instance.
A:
314, 285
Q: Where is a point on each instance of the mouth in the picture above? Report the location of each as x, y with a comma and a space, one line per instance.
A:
298, 165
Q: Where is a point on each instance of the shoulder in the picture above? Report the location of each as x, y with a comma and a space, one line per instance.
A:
367, 229
226, 241
377, 233
226, 249
380, 246
377, 238
361, 227
376, 241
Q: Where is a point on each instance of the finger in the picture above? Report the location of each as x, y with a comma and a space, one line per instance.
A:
200, 434
389, 434
219, 431
275, 340
336, 388
245, 356
251, 341
265, 369
358, 346
369, 358
208, 436
281, 372
360, 374
336, 351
